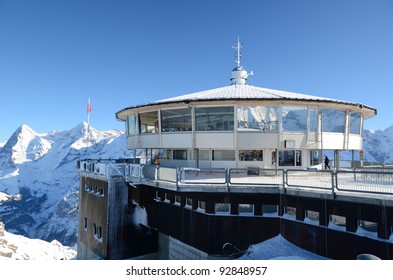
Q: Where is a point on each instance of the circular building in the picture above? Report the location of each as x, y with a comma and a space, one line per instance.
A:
243, 126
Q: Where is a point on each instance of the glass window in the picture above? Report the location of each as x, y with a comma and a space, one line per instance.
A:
201, 205
313, 119
180, 154
251, 155
148, 122
354, 123
223, 155
214, 119
260, 118
222, 208
131, 125
333, 120
199, 154
94, 229
294, 118
176, 120
315, 157
289, 158
166, 154
99, 232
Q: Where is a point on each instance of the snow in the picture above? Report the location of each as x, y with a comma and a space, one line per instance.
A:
278, 248
17, 247
40, 169
4, 197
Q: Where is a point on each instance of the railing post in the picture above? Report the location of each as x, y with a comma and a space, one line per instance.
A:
334, 178
157, 175
177, 177
141, 174
285, 179
227, 179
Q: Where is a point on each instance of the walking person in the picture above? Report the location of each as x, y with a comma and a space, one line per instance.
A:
327, 162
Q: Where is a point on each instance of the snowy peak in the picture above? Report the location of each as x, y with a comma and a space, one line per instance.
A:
378, 145
37, 171
26, 145
16, 148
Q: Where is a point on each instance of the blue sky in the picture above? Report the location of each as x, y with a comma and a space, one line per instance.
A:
54, 54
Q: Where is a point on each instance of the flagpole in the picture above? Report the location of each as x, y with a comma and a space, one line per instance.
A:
88, 122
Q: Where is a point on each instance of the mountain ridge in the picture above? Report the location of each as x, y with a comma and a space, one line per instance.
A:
42, 169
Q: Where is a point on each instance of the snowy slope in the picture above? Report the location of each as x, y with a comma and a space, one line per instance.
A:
378, 145
17, 247
278, 248
41, 168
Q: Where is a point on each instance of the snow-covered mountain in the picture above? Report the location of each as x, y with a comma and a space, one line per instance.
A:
378, 145
38, 173
18, 247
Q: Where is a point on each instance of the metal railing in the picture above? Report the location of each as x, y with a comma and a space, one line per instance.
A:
373, 181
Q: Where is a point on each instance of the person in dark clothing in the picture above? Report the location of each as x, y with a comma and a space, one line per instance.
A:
327, 162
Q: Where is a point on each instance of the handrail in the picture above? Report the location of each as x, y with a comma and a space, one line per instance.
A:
354, 181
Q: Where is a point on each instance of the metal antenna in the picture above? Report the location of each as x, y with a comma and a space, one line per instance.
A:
238, 54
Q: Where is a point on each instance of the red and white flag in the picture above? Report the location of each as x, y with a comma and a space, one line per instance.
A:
88, 107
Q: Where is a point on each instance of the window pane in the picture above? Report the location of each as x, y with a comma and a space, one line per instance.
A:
354, 123
315, 157
131, 125
313, 119
180, 154
260, 118
333, 120
289, 158
202, 154
251, 155
166, 154
224, 155
214, 119
148, 122
294, 118
176, 120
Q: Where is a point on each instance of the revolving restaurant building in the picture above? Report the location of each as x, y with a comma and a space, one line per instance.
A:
243, 126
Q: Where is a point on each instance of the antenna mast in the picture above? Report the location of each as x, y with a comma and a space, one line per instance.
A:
238, 54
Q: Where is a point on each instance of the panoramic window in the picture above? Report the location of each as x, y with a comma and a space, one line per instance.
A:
214, 118
294, 118
199, 154
289, 158
251, 155
180, 154
315, 157
131, 125
176, 120
333, 120
223, 155
166, 154
313, 119
148, 122
260, 118
355, 123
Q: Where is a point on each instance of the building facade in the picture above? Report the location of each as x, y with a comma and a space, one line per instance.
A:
214, 167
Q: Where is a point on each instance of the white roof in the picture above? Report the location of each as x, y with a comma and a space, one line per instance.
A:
242, 92
246, 93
